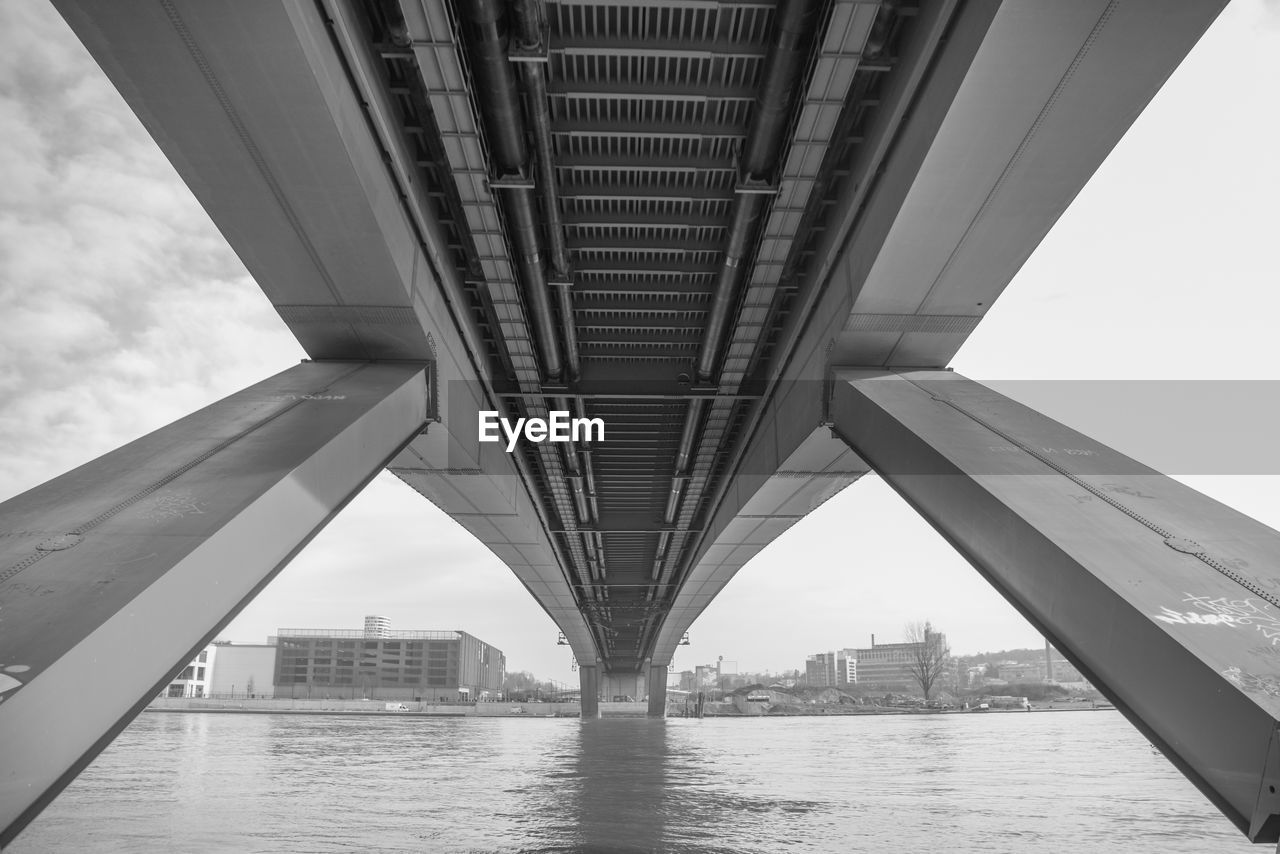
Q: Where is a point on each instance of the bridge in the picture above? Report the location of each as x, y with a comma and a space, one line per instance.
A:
745, 236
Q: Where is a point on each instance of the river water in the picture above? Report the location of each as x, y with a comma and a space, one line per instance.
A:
1077, 782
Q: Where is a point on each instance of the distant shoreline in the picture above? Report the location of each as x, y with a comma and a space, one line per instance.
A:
362, 708
332, 712
347, 708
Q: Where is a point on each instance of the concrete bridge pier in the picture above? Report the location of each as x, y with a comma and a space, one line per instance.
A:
611, 686
618, 684
1161, 596
114, 575
657, 691
589, 683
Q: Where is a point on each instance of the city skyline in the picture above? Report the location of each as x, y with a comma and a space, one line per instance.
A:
123, 310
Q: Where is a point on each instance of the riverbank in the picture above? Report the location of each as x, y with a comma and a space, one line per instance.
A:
380, 708
730, 710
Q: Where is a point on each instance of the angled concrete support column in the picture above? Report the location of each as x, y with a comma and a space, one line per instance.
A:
589, 682
1161, 596
114, 575
658, 691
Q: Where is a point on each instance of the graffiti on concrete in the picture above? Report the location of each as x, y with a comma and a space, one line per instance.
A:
1221, 611
172, 504
1252, 683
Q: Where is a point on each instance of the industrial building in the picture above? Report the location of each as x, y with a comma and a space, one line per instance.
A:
888, 666
832, 669
242, 670
379, 663
880, 667
1058, 671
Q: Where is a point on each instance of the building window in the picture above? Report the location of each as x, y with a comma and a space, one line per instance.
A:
175, 690
187, 672
200, 673
204, 656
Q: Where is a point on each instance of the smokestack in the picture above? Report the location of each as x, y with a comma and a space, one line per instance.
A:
873, 641
1048, 662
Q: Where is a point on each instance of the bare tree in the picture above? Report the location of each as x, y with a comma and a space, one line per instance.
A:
928, 655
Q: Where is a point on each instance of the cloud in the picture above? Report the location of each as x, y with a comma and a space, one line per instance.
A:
121, 306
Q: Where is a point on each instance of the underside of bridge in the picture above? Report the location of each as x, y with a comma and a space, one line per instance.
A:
702, 222
661, 173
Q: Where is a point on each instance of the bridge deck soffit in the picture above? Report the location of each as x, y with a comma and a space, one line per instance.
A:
672, 221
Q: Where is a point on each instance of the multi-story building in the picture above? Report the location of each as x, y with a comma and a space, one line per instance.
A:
820, 670
384, 664
879, 667
687, 682
832, 669
242, 670
847, 667
971, 677
889, 666
1066, 672
1058, 670
1011, 671
193, 681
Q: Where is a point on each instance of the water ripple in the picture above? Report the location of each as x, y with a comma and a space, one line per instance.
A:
1083, 782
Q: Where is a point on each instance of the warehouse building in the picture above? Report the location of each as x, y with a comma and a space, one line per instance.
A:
378, 663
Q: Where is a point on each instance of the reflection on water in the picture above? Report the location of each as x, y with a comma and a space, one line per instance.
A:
607, 791
1077, 781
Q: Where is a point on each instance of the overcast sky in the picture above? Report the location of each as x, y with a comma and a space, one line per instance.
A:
122, 309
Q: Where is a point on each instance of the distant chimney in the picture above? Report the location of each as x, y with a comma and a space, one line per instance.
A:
873, 641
